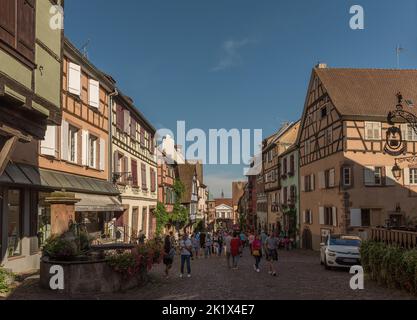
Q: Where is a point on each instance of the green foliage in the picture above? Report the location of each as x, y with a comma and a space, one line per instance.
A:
138, 261
179, 216
162, 218
390, 266
5, 280
59, 247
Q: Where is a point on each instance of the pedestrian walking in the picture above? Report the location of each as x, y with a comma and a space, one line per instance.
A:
208, 245
169, 254
196, 246
251, 238
220, 241
202, 243
186, 251
272, 245
227, 240
256, 249
235, 250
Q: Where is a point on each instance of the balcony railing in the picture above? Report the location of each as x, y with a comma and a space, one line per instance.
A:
404, 239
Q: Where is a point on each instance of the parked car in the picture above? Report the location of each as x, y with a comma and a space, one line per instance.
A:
340, 251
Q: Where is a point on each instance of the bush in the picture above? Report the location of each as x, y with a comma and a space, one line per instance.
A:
390, 266
6, 279
138, 261
60, 248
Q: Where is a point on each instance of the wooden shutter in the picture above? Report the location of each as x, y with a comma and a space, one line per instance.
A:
102, 164
322, 180
94, 93
334, 213
143, 176
125, 169
126, 123
310, 217
79, 148
133, 128
321, 215
332, 178
74, 79
304, 216
64, 140
355, 217
84, 148
116, 168
303, 184
142, 136
153, 187
48, 146
406, 176
26, 28
134, 173
8, 22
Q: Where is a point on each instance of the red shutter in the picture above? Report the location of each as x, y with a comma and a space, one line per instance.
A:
143, 174
120, 117
26, 28
153, 186
134, 172
8, 21
142, 136
133, 128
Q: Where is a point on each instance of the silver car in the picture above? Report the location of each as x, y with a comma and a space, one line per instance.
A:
340, 251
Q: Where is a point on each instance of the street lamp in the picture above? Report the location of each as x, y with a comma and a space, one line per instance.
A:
396, 171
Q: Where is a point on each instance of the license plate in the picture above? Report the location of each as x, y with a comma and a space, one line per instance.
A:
349, 260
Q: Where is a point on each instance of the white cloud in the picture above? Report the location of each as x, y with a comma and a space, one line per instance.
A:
230, 56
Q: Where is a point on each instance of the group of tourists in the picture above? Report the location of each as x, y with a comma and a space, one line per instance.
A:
231, 244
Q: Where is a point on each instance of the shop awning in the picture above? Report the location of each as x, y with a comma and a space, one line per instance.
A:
97, 203
30, 176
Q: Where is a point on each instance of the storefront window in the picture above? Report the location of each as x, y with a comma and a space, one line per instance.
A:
14, 247
44, 219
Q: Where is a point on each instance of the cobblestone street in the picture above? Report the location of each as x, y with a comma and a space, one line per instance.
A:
300, 277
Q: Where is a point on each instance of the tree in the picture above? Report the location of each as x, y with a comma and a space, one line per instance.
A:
179, 216
162, 218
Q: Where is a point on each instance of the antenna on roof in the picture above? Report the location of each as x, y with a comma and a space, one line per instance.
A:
84, 49
398, 51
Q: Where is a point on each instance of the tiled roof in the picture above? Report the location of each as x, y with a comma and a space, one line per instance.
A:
227, 202
368, 92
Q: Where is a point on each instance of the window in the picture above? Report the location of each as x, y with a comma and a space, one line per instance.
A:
48, 145
94, 93
14, 245
373, 131
308, 216
285, 166
347, 176
328, 216
323, 112
360, 217
133, 128
92, 151
308, 183
73, 144
408, 133
373, 176
292, 165
328, 137
413, 176
17, 28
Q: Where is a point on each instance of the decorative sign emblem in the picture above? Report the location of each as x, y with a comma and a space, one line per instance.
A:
395, 146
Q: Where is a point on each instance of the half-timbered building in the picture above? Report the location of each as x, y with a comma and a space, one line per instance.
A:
346, 177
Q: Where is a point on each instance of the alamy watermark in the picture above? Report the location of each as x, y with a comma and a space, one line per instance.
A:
56, 22
357, 282
215, 147
357, 21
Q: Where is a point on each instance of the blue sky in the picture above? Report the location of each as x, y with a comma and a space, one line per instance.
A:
234, 64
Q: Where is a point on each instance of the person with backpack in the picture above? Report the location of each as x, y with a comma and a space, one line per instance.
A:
169, 254
186, 248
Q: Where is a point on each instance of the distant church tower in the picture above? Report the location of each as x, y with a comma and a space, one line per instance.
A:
222, 194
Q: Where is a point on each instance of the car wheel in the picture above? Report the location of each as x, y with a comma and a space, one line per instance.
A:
326, 266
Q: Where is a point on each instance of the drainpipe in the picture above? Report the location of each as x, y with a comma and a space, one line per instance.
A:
111, 96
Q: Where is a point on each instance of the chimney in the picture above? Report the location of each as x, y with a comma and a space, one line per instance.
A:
321, 65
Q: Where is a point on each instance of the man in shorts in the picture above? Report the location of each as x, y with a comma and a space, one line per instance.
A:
272, 244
